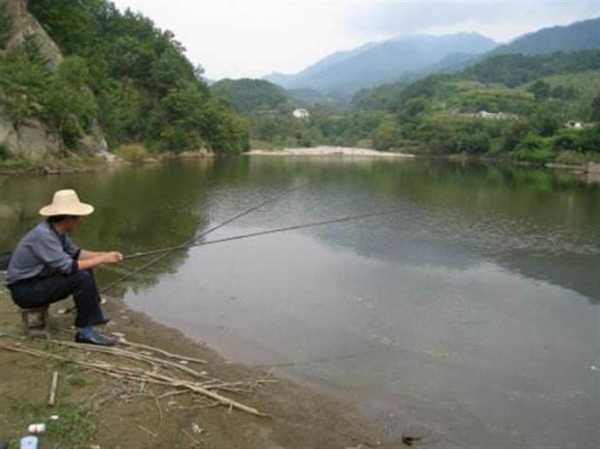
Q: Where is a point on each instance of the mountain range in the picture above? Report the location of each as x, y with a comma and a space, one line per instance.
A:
412, 57
376, 63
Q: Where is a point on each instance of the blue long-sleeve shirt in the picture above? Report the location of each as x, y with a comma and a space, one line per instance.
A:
41, 253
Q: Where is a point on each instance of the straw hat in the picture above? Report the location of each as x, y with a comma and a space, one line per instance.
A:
66, 202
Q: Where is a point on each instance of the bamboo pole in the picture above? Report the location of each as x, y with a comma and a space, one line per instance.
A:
53, 388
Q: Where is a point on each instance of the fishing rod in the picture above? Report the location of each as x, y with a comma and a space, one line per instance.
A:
190, 243
262, 233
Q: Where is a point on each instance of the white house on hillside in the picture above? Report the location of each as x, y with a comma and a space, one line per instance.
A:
301, 113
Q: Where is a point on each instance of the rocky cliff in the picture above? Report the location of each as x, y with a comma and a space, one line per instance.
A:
31, 138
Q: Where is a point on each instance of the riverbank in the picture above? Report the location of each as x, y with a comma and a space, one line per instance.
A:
96, 411
81, 164
328, 151
54, 165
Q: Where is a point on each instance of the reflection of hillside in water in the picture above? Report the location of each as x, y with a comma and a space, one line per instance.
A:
537, 223
136, 209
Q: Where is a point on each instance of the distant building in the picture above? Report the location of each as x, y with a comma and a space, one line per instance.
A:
572, 124
301, 113
497, 115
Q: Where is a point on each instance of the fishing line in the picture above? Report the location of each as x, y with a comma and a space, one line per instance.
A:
172, 249
262, 233
192, 242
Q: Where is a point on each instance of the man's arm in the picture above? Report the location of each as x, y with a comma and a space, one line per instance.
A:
85, 254
90, 259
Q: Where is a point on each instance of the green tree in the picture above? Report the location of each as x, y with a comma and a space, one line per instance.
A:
6, 24
545, 123
540, 89
385, 136
71, 105
596, 109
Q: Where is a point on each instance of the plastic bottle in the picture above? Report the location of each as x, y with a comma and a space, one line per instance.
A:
29, 443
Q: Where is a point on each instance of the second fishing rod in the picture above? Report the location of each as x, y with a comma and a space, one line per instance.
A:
165, 252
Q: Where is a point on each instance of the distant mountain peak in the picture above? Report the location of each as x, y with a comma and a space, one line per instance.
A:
582, 35
377, 62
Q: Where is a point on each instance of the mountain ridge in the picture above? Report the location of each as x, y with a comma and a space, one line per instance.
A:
377, 62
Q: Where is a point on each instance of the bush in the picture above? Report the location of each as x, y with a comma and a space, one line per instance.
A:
534, 148
134, 153
6, 24
477, 142
566, 143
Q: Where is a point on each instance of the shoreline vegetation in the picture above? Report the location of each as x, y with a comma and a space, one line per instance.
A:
138, 155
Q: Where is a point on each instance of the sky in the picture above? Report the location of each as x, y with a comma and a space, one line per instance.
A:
251, 38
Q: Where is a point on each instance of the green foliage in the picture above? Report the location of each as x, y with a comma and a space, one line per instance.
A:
534, 148
545, 123
596, 109
134, 153
516, 69
71, 105
385, 136
133, 78
251, 97
24, 85
439, 113
6, 24
540, 90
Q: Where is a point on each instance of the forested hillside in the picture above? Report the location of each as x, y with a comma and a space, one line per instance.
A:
517, 69
533, 108
513, 106
269, 109
249, 96
583, 35
120, 72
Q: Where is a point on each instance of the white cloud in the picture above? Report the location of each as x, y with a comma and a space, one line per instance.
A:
238, 38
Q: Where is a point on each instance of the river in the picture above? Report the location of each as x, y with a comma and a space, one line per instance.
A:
470, 317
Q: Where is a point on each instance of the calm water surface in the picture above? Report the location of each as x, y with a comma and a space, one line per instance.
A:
471, 316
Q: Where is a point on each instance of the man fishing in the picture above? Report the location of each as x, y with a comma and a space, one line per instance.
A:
47, 267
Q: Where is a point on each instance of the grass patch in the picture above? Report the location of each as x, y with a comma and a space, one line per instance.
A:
73, 429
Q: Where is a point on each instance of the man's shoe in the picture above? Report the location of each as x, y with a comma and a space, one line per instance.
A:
103, 321
95, 338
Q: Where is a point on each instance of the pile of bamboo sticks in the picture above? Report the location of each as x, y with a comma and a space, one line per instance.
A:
144, 365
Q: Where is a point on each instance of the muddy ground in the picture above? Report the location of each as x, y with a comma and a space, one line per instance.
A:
98, 411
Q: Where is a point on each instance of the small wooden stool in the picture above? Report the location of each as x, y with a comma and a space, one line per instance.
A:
35, 322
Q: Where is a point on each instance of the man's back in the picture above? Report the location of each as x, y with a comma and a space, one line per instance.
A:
40, 253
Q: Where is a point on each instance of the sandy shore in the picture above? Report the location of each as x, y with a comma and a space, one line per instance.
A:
328, 151
95, 411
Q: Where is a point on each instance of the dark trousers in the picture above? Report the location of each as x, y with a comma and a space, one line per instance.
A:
45, 291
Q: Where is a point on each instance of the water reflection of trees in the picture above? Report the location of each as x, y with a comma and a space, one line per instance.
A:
538, 223
136, 209
535, 222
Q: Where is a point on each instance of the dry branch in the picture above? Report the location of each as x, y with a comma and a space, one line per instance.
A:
53, 387
162, 352
130, 355
129, 374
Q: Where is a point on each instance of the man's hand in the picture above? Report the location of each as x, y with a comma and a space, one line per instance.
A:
112, 258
